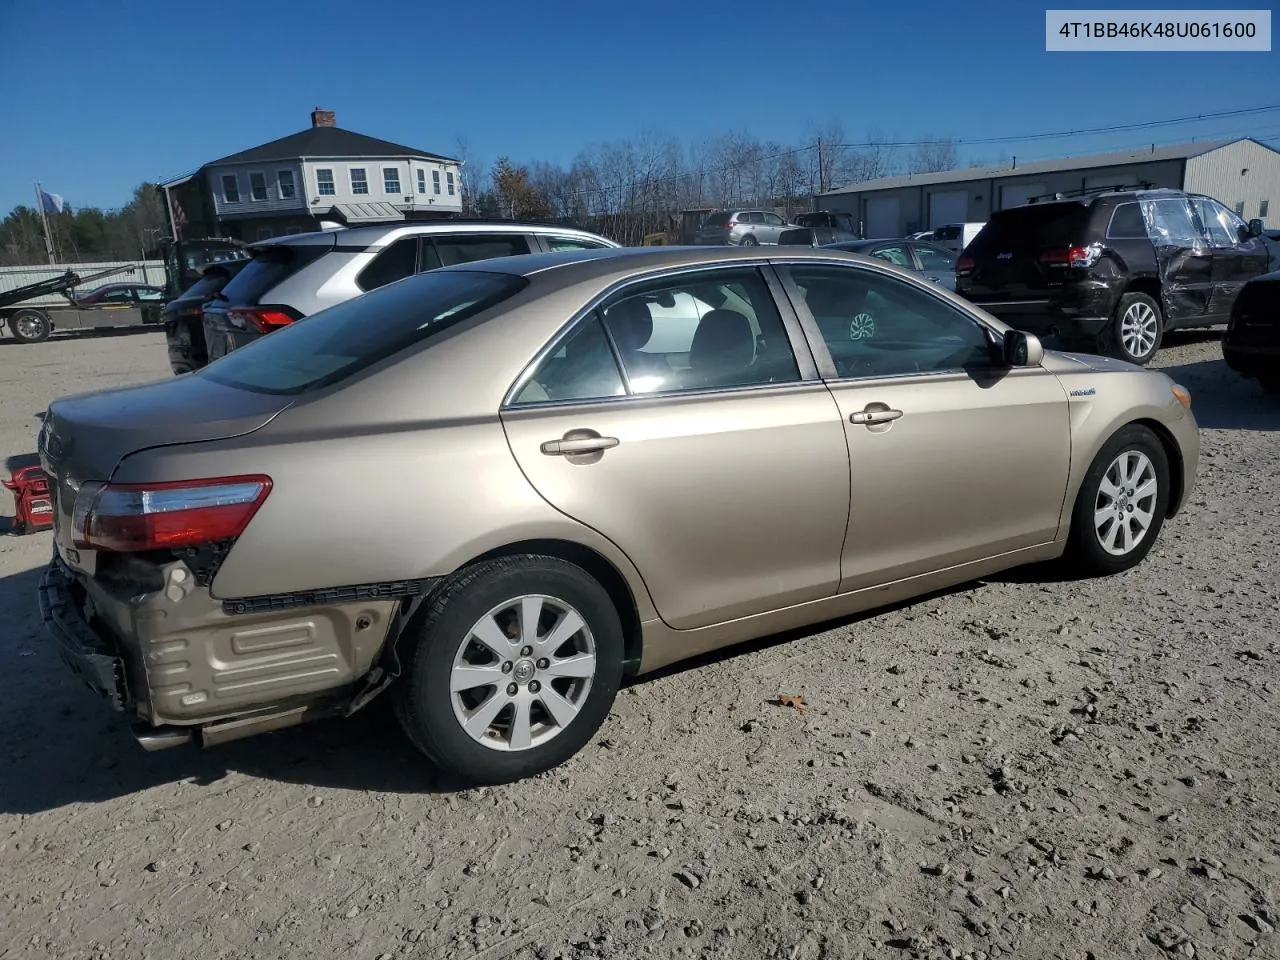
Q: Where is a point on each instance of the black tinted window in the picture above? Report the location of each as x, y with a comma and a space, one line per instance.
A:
271, 265
1035, 227
335, 343
451, 250
394, 263
718, 219
1127, 223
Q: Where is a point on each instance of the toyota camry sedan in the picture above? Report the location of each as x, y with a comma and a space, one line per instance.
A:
494, 490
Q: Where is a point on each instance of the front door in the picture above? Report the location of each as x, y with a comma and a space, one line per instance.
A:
953, 456
713, 458
1184, 260
1237, 257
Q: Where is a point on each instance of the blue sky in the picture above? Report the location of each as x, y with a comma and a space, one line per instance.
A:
98, 99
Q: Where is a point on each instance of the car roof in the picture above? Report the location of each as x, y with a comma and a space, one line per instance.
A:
569, 267
374, 233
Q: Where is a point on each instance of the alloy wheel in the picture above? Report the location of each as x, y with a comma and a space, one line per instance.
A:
1126, 503
1139, 328
522, 673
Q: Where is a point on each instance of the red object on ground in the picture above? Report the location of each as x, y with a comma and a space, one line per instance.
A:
34, 505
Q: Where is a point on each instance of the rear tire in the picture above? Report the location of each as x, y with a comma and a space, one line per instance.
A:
30, 326
1136, 331
1121, 506
491, 698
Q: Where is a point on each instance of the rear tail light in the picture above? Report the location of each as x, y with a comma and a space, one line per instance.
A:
131, 517
263, 319
1074, 256
964, 266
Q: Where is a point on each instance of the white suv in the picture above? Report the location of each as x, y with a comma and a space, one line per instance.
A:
293, 277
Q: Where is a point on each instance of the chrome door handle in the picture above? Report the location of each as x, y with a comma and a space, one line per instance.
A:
874, 416
571, 446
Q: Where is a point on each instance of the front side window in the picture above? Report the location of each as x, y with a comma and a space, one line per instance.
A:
1216, 219
230, 188
337, 342
258, 186
449, 181
391, 180
422, 181
773, 220
324, 182
880, 326
359, 181
284, 179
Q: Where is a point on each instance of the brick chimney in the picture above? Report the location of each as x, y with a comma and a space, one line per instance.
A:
322, 118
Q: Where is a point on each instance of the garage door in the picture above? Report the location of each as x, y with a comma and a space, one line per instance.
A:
882, 217
948, 206
1016, 194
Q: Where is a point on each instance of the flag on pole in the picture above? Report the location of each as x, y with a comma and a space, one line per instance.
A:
51, 202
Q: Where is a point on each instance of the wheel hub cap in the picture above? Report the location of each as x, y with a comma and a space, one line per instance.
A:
524, 671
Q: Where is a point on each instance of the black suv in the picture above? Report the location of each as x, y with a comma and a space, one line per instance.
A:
1115, 269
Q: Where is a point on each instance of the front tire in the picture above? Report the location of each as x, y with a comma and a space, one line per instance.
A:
30, 326
1121, 506
512, 669
749, 241
1136, 331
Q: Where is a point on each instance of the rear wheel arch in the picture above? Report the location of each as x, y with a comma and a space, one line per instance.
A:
599, 568
1148, 285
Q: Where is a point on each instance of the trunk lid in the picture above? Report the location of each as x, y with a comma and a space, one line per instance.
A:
85, 437
1006, 252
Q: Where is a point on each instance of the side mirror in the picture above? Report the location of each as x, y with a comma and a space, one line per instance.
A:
1255, 227
1022, 349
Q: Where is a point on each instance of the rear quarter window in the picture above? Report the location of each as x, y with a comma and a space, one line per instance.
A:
1127, 223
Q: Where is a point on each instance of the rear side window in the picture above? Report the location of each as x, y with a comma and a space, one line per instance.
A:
333, 344
271, 266
1034, 227
396, 262
571, 243
447, 251
1169, 222
1127, 223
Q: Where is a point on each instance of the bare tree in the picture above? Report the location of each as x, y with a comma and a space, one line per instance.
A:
471, 174
933, 156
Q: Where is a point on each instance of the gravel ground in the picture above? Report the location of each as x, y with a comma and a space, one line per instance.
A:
1022, 767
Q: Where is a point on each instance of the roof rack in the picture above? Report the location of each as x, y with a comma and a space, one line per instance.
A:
1090, 191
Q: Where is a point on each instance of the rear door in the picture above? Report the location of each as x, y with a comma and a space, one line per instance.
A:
773, 227
1237, 257
715, 459
1184, 260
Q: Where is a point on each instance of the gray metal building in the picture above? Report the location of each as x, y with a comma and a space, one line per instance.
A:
1243, 174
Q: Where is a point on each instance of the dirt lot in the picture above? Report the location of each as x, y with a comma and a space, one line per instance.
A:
1020, 768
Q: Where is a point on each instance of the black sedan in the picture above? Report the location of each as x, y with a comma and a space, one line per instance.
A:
1251, 345
927, 259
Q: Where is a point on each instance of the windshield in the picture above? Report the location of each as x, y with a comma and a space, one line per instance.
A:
335, 343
